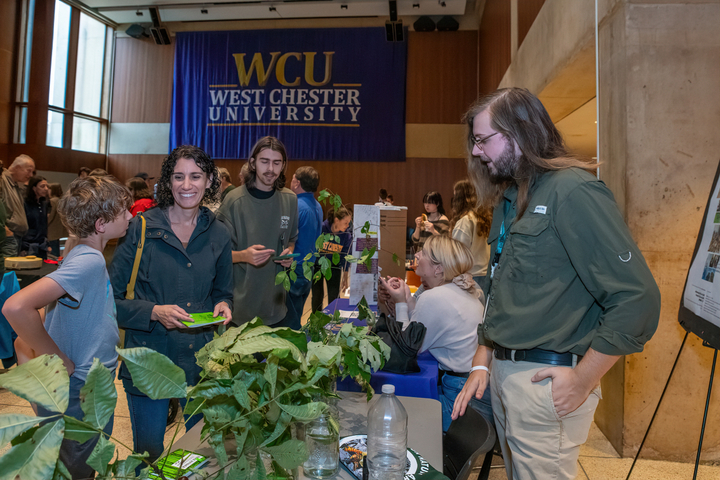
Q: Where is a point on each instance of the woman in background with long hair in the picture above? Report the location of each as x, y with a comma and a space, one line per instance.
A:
470, 226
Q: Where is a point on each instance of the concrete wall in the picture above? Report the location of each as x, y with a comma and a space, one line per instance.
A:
659, 142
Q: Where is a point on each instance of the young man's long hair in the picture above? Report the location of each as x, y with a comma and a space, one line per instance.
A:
518, 115
273, 144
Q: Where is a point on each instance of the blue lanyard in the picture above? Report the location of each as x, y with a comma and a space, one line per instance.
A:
501, 240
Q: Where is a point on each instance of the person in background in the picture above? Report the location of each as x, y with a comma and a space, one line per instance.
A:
147, 179
432, 222
382, 197
185, 267
142, 197
3, 229
389, 200
470, 226
262, 218
80, 323
99, 172
304, 184
34, 242
337, 223
451, 311
83, 172
569, 291
56, 229
243, 173
12, 194
226, 185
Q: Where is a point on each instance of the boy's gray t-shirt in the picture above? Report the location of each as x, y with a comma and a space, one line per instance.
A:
83, 323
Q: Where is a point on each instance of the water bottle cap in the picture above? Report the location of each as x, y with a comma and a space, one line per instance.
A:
387, 388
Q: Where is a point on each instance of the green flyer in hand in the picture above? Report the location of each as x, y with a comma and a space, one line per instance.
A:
203, 320
179, 463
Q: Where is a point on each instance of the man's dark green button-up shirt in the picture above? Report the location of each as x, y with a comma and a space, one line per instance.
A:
570, 276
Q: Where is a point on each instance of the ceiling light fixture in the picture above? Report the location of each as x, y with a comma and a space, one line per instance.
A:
203, 11
272, 9
343, 7
442, 3
139, 13
416, 5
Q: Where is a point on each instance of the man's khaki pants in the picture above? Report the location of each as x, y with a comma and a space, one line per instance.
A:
536, 443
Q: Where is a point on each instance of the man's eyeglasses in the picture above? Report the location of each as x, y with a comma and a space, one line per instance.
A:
481, 143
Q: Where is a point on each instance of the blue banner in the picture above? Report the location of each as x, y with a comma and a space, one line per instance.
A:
327, 94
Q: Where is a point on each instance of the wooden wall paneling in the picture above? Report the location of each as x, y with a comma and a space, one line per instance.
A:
9, 37
126, 166
142, 87
494, 43
441, 76
57, 159
527, 13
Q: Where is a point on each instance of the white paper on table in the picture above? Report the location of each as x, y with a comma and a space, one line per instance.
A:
349, 314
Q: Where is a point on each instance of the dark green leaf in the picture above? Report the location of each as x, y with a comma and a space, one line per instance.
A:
365, 228
217, 442
61, 472
289, 454
280, 277
337, 202
101, 455
153, 373
307, 412
307, 270
336, 258
98, 397
126, 468
286, 284
241, 395
78, 431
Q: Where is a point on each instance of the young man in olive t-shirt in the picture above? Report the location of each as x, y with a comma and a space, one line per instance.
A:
262, 218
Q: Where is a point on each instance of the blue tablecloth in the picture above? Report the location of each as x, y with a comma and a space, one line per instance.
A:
8, 287
422, 384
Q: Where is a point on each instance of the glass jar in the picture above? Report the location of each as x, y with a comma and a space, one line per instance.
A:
322, 438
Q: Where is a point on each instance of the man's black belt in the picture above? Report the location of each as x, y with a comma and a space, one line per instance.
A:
535, 355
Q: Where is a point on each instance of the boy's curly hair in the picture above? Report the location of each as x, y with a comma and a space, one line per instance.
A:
89, 199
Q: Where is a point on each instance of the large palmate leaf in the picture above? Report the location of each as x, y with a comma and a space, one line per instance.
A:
42, 380
14, 424
61, 472
34, 459
98, 396
289, 454
307, 412
266, 343
280, 427
78, 431
153, 373
101, 455
325, 355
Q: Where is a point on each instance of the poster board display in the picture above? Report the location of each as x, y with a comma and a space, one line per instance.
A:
700, 302
364, 281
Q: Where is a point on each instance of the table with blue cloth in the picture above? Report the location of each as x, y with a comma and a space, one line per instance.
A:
422, 384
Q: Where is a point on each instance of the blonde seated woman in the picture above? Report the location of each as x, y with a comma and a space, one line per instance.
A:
451, 311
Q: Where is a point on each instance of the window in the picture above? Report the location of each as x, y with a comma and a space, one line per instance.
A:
79, 74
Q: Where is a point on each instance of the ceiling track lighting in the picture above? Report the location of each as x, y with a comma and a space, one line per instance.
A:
273, 9
416, 5
203, 11
343, 7
139, 13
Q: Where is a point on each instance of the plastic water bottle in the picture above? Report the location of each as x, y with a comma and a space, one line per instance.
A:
387, 437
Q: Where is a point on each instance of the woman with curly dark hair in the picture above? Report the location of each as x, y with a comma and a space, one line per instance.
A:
186, 267
470, 226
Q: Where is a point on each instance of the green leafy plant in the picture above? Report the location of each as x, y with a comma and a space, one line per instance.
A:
257, 381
